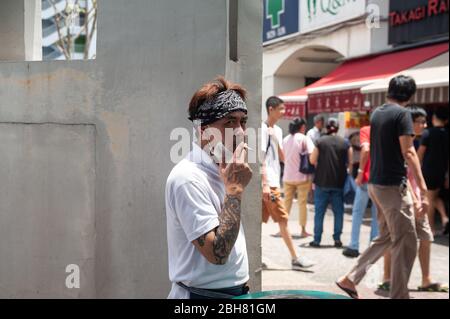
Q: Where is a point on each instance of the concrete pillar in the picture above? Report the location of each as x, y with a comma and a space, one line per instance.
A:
33, 30
21, 30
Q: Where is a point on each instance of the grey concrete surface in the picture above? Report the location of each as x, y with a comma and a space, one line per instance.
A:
151, 57
331, 264
12, 26
47, 208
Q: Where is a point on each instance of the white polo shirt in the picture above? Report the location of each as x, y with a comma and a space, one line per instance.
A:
194, 197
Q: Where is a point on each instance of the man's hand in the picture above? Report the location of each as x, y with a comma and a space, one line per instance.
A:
236, 175
419, 210
266, 193
359, 179
423, 207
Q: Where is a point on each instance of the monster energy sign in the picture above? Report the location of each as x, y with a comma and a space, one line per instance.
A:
317, 14
281, 19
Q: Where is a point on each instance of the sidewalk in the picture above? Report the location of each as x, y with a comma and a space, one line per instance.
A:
331, 263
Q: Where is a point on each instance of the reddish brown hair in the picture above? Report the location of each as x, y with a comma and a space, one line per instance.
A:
209, 90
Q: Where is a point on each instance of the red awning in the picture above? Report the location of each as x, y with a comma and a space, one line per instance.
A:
340, 90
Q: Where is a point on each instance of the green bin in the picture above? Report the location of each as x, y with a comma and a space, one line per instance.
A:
292, 294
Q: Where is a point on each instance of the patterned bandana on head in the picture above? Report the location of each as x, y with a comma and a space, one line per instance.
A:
220, 106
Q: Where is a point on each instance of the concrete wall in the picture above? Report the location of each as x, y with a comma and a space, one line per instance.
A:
380, 36
248, 71
100, 130
12, 24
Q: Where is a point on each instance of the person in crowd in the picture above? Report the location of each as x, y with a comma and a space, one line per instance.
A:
424, 233
316, 132
355, 142
273, 204
333, 160
434, 155
391, 148
294, 181
362, 197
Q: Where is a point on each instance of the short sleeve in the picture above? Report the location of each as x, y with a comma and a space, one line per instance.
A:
263, 138
194, 210
319, 143
309, 144
347, 143
425, 139
405, 124
364, 135
279, 134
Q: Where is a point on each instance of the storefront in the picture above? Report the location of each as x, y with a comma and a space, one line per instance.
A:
303, 44
418, 35
359, 85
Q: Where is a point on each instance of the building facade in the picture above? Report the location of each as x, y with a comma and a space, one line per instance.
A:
323, 65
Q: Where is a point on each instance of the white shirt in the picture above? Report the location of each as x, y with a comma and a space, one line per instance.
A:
272, 159
314, 134
194, 197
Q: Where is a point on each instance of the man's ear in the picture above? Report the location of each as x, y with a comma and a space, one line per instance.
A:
201, 131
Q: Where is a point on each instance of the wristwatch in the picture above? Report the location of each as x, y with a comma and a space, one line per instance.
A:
360, 170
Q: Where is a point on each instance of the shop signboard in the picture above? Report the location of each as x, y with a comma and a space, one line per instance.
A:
417, 20
281, 20
335, 102
318, 14
294, 110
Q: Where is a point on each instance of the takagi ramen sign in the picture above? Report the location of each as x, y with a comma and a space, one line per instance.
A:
417, 20
318, 14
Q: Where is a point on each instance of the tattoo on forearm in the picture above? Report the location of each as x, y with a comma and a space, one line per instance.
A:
228, 230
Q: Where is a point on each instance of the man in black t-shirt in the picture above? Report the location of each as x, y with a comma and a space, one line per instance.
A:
332, 157
391, 148
434, 155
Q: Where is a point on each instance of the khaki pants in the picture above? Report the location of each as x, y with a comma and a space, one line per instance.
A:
274, 207
397, 232
302, 189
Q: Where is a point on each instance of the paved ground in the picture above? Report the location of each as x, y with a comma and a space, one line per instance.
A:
331, 263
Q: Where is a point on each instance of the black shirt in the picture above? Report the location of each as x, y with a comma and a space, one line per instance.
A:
435, 161
331, 170
387, 165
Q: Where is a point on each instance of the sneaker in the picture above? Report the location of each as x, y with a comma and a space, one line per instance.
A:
301, 263
277, 235
351, 253
338, 244
314, 244
385, 286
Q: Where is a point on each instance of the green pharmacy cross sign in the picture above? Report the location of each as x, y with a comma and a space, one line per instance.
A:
275, 8
281, 19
